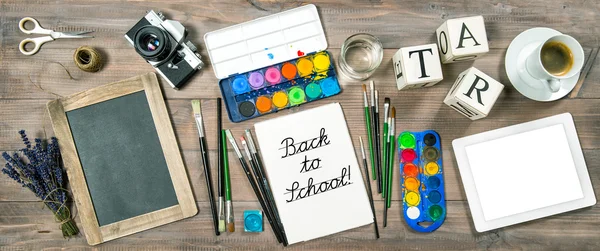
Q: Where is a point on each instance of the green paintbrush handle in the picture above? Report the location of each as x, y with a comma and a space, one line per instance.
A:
384, 158
392, 156
226, 167
369, 133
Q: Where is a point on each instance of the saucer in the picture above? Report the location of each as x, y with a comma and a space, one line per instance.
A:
516, 55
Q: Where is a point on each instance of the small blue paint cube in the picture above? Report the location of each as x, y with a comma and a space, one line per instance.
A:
253, 221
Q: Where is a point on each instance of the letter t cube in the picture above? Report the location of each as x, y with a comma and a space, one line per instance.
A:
473, 94
417, 66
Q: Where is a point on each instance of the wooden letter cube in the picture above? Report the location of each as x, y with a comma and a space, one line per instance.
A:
473, 94
417, 66
462, 39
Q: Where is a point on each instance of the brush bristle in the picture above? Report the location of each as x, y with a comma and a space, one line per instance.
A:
364, 88
393, 112
387, 100
196, 106
372, 85
221, 225
230, 227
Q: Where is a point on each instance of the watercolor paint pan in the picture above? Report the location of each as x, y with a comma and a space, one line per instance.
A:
422, 180
281, 86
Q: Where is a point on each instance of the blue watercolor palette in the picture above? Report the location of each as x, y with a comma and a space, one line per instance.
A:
280, 86
422, 180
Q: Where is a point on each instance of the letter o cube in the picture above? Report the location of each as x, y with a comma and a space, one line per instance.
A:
462, 39
473, 94
417, 66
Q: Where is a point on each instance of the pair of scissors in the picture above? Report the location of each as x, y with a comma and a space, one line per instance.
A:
38, 41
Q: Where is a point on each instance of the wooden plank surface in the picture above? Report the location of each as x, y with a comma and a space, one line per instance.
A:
27, 83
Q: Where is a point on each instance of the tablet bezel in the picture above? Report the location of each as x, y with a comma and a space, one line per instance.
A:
481, 225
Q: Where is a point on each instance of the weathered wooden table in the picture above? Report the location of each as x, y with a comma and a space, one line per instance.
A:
27, 83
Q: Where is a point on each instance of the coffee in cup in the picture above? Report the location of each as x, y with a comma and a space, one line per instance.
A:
559, 57
556, 58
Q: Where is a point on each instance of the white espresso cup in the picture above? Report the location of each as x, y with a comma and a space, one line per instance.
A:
553, 82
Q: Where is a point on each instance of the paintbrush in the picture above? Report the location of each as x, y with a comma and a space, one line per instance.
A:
204, 149
377, 137
373, 138
264, 202
221, 187
229, 219
386, 114
369, 133
368, 184
265, 183
390, 167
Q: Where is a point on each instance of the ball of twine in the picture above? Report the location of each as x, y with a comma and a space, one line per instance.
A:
88, 59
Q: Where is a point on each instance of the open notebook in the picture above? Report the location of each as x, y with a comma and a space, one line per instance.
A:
314, 173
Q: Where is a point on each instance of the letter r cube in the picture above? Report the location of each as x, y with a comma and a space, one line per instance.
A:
417, 66
473, 94
462, 39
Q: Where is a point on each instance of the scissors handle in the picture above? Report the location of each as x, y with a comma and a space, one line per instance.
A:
37, 42
37, 28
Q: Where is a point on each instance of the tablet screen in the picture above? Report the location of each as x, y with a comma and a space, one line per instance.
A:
524, 172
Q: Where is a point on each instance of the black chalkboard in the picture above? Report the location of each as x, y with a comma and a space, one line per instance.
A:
122, 158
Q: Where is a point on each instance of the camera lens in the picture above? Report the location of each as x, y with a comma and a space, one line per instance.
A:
150, 42
153, 43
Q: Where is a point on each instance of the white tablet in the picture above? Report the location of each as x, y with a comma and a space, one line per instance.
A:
523, 172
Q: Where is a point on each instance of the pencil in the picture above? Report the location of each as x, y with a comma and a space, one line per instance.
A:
228, 203
386, 114
373, 137
368, 185
267, 187
250, 178
221, 186
205, 161
376, 136
369, 133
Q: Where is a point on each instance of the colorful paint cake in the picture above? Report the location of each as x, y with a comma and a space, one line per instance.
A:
270, 89
422, 180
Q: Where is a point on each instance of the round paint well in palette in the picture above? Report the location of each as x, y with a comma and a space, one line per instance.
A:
256, 80
246, 108
435, 212
296, 95
272, 75
240, 85
411, 184
431, 153
429, 139
321, 62
433, 182
288, 71
413, 212
408, 155
411, 170
434, 196
412, 198
407, 140
280, 99
330, 87
305, 67
263, 104
313, 91
432, 168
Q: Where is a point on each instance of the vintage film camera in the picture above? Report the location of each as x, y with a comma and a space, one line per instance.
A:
162, 43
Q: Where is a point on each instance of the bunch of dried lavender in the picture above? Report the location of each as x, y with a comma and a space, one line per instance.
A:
39, 168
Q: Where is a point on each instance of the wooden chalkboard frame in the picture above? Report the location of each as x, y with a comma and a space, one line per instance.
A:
94, 233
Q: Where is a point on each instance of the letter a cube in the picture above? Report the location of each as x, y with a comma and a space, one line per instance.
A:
462, 39
417, 66
473, 94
